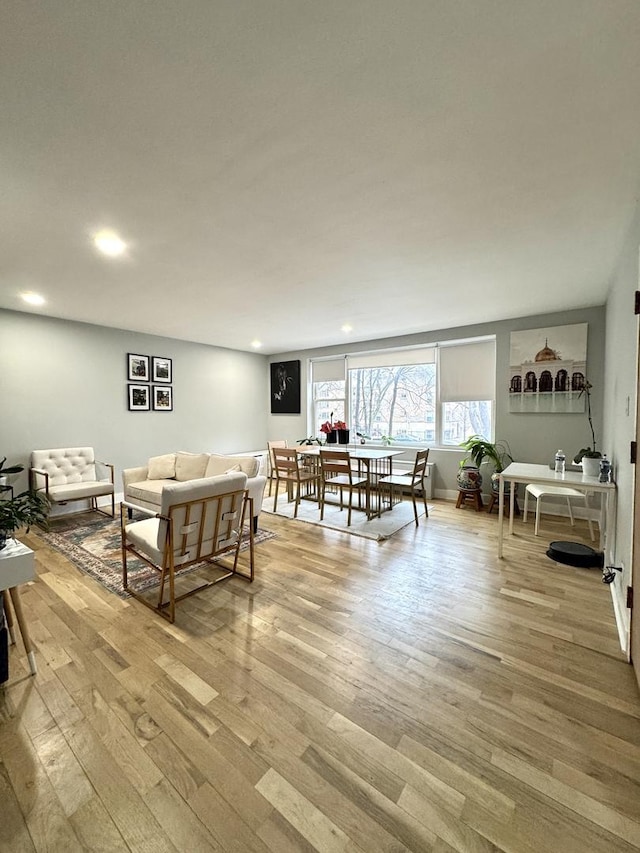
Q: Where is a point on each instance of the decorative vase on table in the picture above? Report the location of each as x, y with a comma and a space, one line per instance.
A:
469, 478
591, 466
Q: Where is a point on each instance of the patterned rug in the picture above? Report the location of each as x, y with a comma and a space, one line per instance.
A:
92, 543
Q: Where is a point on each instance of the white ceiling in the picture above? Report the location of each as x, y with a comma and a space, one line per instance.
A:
282, 167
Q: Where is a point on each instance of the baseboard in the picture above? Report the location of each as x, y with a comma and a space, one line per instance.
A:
622, 619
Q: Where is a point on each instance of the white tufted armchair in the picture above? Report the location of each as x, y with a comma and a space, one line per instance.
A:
72, 474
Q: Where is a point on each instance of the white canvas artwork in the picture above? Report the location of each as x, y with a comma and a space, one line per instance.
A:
547, 370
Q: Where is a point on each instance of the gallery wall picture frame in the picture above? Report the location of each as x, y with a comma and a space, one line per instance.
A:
161, 369
137, 367
162, 397
285, 388
139, 397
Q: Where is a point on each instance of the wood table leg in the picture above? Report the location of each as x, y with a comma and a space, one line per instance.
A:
9, 617
26, 639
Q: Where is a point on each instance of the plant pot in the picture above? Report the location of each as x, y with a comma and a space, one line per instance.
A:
591, 466
495, 485
332, 437
469, 478
343, 436
3, 539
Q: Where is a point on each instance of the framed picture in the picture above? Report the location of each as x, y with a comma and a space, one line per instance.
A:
139, 398
138, 367
162, 398
285, 388
548, 369
161, 369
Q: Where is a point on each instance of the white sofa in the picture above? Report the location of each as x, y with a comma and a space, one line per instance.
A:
143, 485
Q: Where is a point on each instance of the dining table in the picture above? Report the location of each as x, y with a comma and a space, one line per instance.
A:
374, 463
543, 475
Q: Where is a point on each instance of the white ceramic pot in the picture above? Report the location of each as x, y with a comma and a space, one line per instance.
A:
590, 466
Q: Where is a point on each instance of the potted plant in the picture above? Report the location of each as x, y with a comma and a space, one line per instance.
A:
10, 469
25, 509
589, 457
483, 450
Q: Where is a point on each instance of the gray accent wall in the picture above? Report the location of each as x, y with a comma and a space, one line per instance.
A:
64, 384
532, 437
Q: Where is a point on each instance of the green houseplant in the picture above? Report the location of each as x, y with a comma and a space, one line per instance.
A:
25, 509
483, 450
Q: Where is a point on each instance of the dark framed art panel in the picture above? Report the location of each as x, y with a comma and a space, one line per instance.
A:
162, 397
139, 397
161, 369
285, 388
137, 367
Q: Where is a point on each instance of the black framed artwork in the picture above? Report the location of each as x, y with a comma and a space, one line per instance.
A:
161, 369
285, 388
137, 367
162, 398
139, 398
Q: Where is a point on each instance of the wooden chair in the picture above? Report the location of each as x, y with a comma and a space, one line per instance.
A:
413, 482
200, 521
336, 471
288, 469
272, 468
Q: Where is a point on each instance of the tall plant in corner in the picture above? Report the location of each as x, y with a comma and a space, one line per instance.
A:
590, 452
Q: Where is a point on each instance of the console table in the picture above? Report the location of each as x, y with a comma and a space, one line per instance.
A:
523, 472
17, 566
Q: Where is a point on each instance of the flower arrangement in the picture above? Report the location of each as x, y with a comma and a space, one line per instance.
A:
328, 427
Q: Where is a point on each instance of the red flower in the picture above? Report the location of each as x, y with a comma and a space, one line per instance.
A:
340, 425
326, 428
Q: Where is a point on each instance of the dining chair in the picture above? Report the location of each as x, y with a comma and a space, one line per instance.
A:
413, 482
336, 471
288, 469
272, 467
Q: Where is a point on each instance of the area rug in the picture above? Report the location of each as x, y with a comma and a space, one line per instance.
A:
93, 545
336, 519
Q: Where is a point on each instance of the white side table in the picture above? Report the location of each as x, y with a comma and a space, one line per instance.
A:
17, 565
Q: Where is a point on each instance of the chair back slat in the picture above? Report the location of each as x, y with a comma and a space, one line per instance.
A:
336, 462
419, 467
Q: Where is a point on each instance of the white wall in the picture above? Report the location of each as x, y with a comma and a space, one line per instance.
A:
532, 437
621, 357
64, 384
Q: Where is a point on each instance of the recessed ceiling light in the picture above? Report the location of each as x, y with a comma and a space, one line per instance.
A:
256, 344
33, 298
109, 243
347, 328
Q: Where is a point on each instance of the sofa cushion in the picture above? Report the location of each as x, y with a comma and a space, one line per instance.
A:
149, 491
219, 464
190, 466
162, 467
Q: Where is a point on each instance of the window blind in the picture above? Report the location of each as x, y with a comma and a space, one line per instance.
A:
392, 358
328, 370
468, 372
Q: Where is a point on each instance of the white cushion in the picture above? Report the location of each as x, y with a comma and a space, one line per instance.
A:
190, 466
149, 491
162, 467
219, 464
66, 464
77, 491
233, 469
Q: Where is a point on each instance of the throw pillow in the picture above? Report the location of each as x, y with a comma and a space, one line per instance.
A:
233, 469
162, 467
219, 464
190, 466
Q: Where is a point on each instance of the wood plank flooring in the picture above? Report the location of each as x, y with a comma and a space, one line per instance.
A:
415, 694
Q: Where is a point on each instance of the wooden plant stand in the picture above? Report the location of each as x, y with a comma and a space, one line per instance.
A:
470, 496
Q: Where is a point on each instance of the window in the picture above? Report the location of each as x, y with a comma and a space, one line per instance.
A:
429, 395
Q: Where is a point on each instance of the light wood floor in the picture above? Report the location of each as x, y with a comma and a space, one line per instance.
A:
416, 694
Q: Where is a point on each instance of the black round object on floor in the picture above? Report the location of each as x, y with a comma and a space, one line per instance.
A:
575, 554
